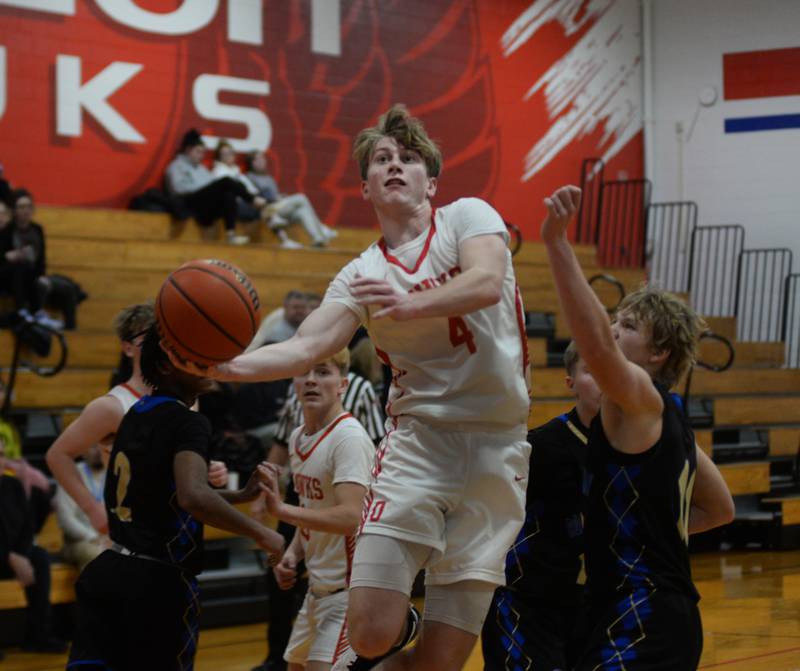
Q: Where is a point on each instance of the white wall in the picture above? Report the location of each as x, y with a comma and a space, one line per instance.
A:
747, 178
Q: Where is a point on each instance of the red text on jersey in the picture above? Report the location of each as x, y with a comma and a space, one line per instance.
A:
308, 487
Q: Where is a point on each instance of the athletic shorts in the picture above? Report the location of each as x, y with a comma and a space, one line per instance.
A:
319, 633
644, 631
525, 632
134, 614
461, 494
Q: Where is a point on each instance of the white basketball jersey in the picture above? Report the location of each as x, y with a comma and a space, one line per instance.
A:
468, 372
126, 395
341, 452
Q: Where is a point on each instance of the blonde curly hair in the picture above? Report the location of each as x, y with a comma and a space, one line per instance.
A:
673, 326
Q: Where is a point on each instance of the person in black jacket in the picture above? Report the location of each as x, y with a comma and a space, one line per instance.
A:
27, 563
24, 262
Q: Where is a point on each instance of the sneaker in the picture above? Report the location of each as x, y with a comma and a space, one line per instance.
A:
44, 319
290, 244
329, 233
235, 239
350, 661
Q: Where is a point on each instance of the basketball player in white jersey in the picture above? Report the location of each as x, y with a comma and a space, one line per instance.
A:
99, 420
331, 456
438, 296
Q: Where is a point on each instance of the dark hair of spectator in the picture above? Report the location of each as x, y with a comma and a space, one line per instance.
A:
154, 361
191, 139
250, 159
294, 294
19, 194
218, 151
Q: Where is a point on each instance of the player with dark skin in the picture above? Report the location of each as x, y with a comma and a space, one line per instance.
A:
157, 498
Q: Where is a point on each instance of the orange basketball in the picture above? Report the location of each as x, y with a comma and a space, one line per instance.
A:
208, 311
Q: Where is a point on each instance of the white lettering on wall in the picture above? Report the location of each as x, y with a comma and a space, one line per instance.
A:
53, 6
326, 34
205, 96
191, 16
245, 21
72, 97
3, 81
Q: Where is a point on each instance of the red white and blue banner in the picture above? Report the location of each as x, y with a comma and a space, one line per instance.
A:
768, 73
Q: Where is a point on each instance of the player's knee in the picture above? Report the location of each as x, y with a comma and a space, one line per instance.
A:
371, 637
374, 624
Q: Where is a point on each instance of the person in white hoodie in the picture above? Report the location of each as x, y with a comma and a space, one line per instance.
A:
207, 197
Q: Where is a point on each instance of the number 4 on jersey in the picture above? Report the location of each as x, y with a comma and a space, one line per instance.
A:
461, 335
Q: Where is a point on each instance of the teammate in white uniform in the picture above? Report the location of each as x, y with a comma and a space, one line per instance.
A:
438, 297
99, 420
331, 454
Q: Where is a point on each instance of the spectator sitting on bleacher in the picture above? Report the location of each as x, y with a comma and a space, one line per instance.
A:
22, 259
282, 323
225, 165
286, 208
29, 564
82, 542
206, 197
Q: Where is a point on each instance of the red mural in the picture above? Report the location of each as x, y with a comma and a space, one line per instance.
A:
95, 95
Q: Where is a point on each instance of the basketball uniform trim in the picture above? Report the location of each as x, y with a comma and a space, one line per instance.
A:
394, 260
331, 427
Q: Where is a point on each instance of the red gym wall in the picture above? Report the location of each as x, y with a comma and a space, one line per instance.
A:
95, 94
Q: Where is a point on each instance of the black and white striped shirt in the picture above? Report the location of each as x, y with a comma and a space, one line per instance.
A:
359, 400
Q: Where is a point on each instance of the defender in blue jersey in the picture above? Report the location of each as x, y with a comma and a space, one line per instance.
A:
138, 603
651, 486
532, 619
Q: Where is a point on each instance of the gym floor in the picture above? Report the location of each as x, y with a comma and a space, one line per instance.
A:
750, 606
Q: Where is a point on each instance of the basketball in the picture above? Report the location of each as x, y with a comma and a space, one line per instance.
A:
207, 311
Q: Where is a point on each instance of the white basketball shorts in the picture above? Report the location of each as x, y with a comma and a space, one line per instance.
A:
461, 494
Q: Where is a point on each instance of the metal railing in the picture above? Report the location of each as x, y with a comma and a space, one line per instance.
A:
621, 223
615, 283
18, 361
762, 274
586, 231
791, 320
670, 228
713, 268
716, 368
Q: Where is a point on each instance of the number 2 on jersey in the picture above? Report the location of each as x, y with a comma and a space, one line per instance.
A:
461, 335
122, 469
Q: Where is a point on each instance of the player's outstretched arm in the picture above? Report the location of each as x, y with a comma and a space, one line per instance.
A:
483, 261
99, 419
712, 503
324, 332
203, 503
627, 385
342, 518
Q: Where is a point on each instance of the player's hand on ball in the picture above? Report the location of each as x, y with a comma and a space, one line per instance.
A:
218, 474
196, 369
562, 206
286, 571
370, 291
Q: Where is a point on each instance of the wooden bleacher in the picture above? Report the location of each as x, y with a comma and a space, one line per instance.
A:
122, 257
